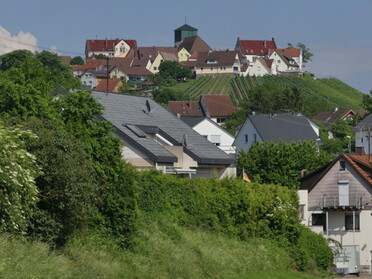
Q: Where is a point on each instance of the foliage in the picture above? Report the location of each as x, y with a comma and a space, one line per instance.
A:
312, 250
306, 54
77, 60
100, 56
117, 192
66, 188
61, 72
342, 140
14, 59
18, 170
174, 71
125, 88
280, 163
165, 95
367, 102
236, 119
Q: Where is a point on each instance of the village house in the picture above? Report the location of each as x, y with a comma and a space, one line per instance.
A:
217, 63
363, 134
92, 78
284, 63
327, 118
109, 85
216, 107
111, 48
335, 201
156, 139
254, 49
213, 132
287, 127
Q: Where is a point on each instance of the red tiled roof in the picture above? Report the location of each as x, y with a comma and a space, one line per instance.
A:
113, 85
83, 67
185, 108
109, 45
93, 61
256, 47
67, 59
217, 105
363, 164
194, 43
294, 52
152, 52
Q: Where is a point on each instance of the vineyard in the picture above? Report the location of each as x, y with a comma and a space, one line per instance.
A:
323, 94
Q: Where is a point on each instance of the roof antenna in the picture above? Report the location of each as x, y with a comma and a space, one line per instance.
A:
185, 18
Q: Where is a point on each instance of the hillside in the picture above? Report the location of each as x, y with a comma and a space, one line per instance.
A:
320, 94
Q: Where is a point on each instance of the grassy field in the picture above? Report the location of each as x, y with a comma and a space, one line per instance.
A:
163, 250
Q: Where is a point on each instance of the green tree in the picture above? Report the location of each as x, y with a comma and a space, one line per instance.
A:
61, 72
77, 60
14, 59
173, 70
18, 170
367, 102
280, 163
306, 54
66, 187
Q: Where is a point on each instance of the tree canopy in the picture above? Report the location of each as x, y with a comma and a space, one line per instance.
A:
306, 54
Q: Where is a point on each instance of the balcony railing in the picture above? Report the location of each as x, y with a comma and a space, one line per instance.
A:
341, 202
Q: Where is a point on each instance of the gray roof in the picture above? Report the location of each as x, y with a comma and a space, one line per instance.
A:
288, 127
193, 121
364, 125
134, 116
186, 27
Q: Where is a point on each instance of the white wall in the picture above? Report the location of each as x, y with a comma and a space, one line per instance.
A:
240, 140
89, 79
361, 140
209, 129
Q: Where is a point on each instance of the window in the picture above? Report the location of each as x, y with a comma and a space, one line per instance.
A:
343, 192
246, 138
155, 68
342, 165
216, 139
319, 219
349, 222
254, 138
301, 212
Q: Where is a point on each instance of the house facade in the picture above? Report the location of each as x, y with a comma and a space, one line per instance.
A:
155, 138
111, 48
254, 49
363, 136
335, 201
217, 63
287, 127
213, 132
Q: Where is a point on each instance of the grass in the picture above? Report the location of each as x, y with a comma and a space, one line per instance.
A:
163, 251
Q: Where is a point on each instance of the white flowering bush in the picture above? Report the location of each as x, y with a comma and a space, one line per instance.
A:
18, 170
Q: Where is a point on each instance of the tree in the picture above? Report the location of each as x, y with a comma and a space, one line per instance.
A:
306, 54
66, 187
14, 59
18, 170
367, 102
173, 70
280, 163
61, 72
77, 60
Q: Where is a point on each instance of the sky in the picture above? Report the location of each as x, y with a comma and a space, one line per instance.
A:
337, 32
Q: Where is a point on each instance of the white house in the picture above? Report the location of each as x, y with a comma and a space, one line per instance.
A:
335, 201
213, 132
288, 127
363, 135
260, 67
92, 78
284, 63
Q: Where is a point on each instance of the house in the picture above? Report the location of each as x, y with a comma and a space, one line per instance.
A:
253, 49
213, 132
216, 107
194, 44
111, 48
156, 139
159, 58
329, 117
186, 108
92, 78
295, 53
183, 32
285, 64
218, 62
259, 68
287, 127
363, 134
335, 201
109, 85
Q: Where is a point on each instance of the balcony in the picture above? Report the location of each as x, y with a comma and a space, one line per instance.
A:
342, 202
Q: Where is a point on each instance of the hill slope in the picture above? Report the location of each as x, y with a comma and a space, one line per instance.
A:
320, 94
